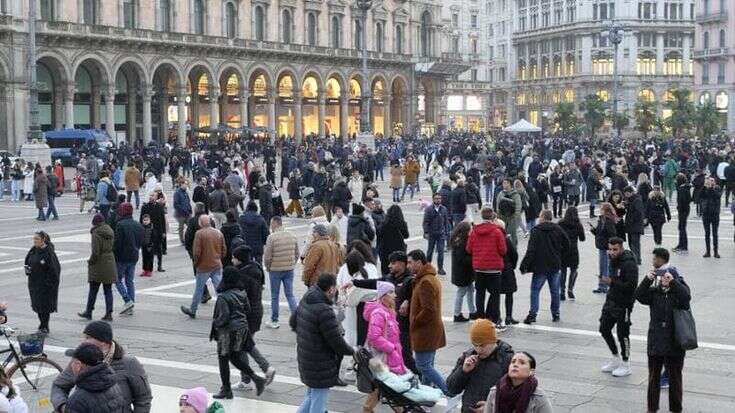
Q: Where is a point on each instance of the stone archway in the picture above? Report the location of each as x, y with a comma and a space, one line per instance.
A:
53, 91
262, 108
126, 101
335, 110
399, 107
90, 79
231, 84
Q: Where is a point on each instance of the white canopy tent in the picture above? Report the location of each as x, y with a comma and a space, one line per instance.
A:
522, 126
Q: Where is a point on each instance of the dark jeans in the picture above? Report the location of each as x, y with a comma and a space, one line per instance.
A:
657, 236
438, 243
239, 360
683, 240
572, 279
457, 218
94, 288
104, 210
508, 307
490, 283
556, 204
634, 242
674, 366
710, 228
51, 208
622, 320
137, 198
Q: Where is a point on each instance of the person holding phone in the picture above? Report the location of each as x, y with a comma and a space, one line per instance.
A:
709, 200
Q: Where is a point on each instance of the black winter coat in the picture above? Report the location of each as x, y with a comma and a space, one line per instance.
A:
446, 193
462, 273
623, 280
508, 283
392, 237
657, 211
546, 246
96, 392
341, 197
230, 322
709, 201
252, 279
44, 274
458, 200
683, 198
358, 227
128, 240
604, 230
436, 223
254, 231
634, 215
265, 201
319, 342
661, 307
229, 231
476, 384
575, 234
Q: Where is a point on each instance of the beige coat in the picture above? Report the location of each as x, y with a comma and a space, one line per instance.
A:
132, 178
323, 256
412, 169
281, 251
396, 176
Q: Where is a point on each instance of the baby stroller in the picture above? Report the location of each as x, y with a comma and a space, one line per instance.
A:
388, 396
307, 199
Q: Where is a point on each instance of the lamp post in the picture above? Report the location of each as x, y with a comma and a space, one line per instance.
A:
364, 6
34, 129
615, 34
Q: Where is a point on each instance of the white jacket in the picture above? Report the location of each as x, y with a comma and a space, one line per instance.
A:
15, 405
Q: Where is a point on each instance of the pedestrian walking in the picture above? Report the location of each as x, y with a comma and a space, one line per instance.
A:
634, 219
546, 246
618, 306
603, 232
128, 242
710, 201
436, 226
657, 213
463, 277
426, 326
392, 236
53, 183
44, 276
570, 261
280, 255
683, 208
487, 247
182, 206
319, 343
207, 253
133, 179
254, 231
101, 267
664, 291
40, 193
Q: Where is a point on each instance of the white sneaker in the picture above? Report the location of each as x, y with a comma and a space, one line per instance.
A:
622, 370
127, 308
243, 386
273, 324
612, 365
350, 375
270, 374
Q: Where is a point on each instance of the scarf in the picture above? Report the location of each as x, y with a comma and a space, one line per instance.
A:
110, 354
509, 399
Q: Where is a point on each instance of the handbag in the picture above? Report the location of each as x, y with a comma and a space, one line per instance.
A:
685, 329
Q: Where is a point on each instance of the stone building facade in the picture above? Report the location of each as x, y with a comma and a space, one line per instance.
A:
151, 69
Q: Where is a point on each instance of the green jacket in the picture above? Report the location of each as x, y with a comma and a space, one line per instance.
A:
101, 266
671, 169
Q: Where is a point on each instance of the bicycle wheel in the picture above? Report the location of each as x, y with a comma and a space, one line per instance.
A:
35, 385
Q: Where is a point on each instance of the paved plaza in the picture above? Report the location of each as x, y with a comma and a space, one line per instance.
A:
177, 354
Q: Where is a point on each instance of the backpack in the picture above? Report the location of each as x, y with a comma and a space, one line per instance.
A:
506, 207
235, 242
111, 195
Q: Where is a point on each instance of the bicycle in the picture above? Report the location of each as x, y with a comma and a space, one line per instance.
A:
34, 366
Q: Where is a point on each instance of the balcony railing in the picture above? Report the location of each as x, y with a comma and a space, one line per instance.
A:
714, 17
711, 53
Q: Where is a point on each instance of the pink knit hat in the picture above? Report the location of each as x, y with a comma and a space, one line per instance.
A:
198, 398
384, 288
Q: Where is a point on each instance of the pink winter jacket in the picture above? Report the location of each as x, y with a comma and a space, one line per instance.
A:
384, 335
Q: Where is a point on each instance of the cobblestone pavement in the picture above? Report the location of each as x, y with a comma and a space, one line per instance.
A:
177, 353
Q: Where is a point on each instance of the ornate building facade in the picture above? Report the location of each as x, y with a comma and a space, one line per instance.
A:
148, 69
563, 53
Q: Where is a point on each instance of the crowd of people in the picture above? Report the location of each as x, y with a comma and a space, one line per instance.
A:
365, 289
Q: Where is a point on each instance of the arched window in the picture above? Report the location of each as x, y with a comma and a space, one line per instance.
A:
705, 40
165, 10
311, 29
425, 34
286, 25
379, 37
90, 12
399, 39
199, 16
722, 38
647, 95
358, 35
231, 20
259, 25
336, 32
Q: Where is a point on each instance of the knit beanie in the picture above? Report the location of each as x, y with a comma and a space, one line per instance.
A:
357, 209
384, 288
125, 209
198, 398
99, 330
482, 332
98, 219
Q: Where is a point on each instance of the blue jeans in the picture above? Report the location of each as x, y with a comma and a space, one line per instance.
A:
489, 192
429, 375
379, 171
278, 277
537, 282
412, 187
604, 262
396, 194
438, 243
315, 401
51, 208
202, 278
530, 224
457, 218
126, 281
15, 187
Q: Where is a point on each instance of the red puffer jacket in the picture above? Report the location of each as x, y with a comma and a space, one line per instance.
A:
487, 247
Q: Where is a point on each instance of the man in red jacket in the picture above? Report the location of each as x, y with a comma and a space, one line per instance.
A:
487, 247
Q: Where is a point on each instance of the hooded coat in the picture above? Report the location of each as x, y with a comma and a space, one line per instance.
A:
546, 246
254, 231
96, 392
487, 246
358, 227
623, 281
101, 267
384, 336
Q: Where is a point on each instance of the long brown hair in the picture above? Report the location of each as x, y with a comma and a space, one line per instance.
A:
607, 211
459, 236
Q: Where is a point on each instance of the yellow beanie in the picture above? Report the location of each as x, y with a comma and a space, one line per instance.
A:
482, 332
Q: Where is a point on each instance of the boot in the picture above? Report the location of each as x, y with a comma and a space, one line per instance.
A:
107, 317
224, 393
592, 211
87, 315
259, 384
570, 284
206, 296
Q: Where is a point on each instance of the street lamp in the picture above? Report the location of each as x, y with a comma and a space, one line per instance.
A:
615, 34
364, 6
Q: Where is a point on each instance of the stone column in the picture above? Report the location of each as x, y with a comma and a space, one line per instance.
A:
659, 54
69, 106
686, 55
132, 134
147, 94
96, 109
244, 98
343, 102
387, 123
58, 105
297, 122
272, 115
214, 93
181, 111
110, 114
322, 115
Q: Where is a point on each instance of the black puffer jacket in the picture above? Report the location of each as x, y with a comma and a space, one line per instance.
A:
341, 197
657, 210
458, 200
358, 227
623, 280
683, 198
546, 246
709, 201
462, 273
254, 231
575, 233
229, 231
477, 384
661, 305
635, 215
252, 279
96, 392
319, 343
604, 230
